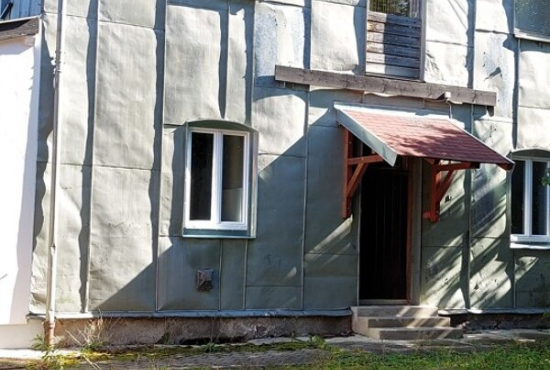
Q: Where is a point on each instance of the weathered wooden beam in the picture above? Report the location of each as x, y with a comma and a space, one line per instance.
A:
19, 28
381, 85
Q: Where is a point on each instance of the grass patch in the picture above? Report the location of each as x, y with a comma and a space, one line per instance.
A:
518, 356
515, 356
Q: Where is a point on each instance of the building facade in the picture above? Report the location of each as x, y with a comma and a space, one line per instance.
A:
202, 152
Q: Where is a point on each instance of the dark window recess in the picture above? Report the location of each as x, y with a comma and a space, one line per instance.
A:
202, 146
540, 200
232, 178
518, 189
531, 17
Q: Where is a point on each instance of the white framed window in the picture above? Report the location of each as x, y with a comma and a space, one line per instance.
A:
218, 183
530, 203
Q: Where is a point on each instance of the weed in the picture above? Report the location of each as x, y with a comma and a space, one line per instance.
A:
50, 359
316, 341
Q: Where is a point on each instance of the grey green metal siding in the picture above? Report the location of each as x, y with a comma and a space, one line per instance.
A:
137, 71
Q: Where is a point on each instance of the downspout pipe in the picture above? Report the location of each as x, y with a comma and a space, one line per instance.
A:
49, 324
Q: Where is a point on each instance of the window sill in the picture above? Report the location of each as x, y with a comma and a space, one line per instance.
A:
531, 246
217, 234
531, 36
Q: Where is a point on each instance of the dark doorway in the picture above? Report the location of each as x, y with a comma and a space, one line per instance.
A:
384, 216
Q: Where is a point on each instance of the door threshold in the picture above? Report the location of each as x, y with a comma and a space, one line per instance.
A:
383, 302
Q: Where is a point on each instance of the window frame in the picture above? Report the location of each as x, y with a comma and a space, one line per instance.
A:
527, 35
527, 239
215, 227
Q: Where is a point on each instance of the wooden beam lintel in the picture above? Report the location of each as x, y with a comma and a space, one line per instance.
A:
381, 85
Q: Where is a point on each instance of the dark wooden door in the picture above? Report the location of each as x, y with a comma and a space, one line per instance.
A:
384, 215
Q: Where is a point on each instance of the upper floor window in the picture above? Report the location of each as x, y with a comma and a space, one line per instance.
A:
531, 19
406, 8
531, 201
218, 184
394, 38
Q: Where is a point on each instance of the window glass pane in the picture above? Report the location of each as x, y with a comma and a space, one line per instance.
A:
518, 187
202, 146
532, 16
232, 178
540, 199
398, 7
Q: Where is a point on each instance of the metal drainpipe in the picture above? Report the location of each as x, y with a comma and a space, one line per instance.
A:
49, 324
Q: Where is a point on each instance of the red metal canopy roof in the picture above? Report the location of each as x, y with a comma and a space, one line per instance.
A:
394, 133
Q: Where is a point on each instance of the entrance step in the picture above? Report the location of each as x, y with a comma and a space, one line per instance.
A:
399, 311
414, 333
402, 323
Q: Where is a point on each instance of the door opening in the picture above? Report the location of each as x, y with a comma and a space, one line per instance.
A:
384, 234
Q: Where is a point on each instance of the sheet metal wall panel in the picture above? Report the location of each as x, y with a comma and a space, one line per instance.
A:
448, 63
46, 103
280, 116
449, 22
79, 8
232, 274
360, 3
194, 69
78, 81
273, 297
534, 72
534, 97
326, 232
74, 224
321, 110
41, 236
444, 280
532, 274
128, 118
240, 57
25, 8
172, 181
495, 16
122, 277
489, 183
179, 260
495, 69
218, 5
123, 220
531, 123
281, 36
275, 257
338, 35
145, 13
452, 229
290, 2
491, 273
330, 281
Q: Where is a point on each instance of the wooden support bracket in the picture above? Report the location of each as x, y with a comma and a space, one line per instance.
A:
354, 169
439, 186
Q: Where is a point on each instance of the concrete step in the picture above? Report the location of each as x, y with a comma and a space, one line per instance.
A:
413, 333
404, 322
399, 311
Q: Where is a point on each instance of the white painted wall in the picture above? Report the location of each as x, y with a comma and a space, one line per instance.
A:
19, 83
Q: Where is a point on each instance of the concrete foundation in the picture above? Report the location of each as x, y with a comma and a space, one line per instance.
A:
122, 331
